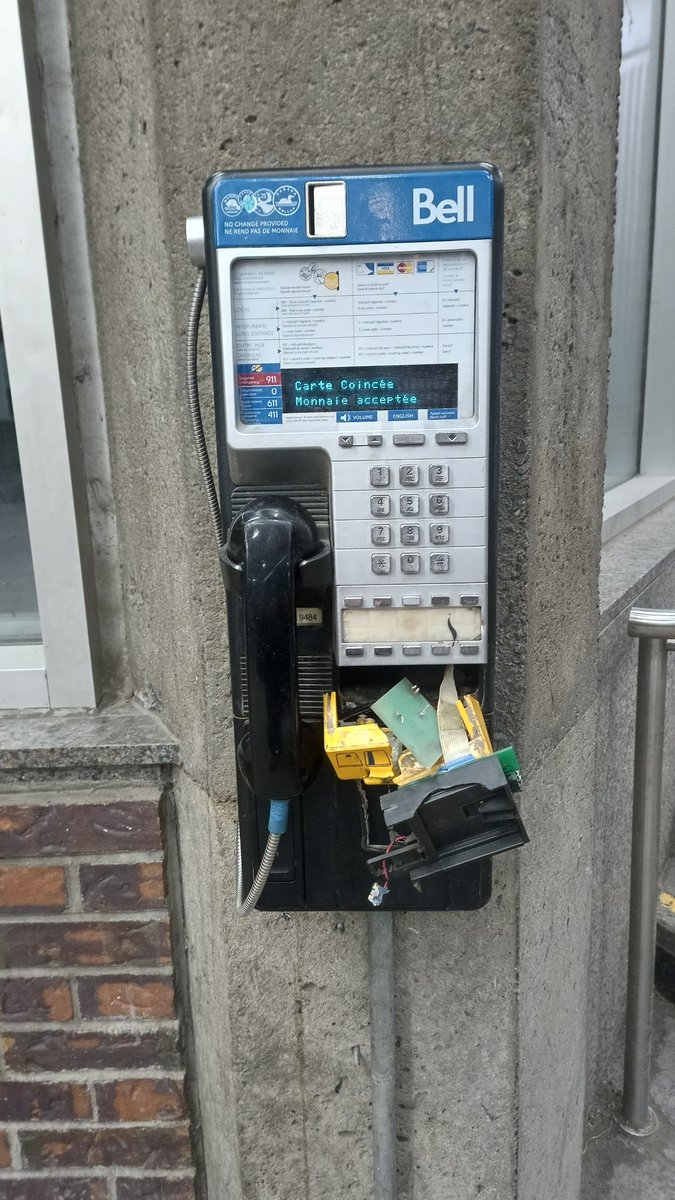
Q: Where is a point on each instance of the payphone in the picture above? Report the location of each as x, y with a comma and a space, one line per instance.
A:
354, 319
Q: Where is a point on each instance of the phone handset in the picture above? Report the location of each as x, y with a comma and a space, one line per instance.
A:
273, 545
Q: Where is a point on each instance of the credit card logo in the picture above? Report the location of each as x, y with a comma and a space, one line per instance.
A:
365, 268
385, 268
405, 268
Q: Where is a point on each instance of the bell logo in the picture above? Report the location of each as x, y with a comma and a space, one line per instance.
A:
426, 210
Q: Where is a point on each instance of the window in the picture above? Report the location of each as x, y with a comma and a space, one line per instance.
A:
45, 654
640, 472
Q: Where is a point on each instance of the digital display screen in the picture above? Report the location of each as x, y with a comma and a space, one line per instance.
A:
369, 389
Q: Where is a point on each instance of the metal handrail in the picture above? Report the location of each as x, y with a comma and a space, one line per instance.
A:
656, 633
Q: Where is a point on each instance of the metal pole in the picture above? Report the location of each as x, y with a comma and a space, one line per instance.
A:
652, 629
382, 1052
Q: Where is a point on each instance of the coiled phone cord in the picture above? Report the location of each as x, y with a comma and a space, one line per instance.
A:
244, 905
195, 410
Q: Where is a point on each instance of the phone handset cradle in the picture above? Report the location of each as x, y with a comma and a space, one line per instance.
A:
272, 546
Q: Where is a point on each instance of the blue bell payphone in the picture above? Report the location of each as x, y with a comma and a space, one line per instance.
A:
354, 320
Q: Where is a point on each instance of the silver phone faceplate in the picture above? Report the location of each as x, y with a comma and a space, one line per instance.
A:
409, 507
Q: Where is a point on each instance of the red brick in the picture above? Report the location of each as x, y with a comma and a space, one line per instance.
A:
121, 888
27, 889
5, 1155
43, 1101
35, 1000
141, 1100
79, 829
138, 997
84, 943
145, 1147
64, 1051
153, 1189
56, 1189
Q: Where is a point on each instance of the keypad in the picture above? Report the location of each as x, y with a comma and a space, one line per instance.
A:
380, 535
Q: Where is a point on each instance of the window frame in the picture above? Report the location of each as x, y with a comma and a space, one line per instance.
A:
59, 673
654, 484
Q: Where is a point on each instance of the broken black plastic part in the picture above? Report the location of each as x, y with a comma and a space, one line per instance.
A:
455, 817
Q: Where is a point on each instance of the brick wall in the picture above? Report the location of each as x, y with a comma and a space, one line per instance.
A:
91, 1082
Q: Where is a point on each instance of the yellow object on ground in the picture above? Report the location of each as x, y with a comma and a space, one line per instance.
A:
360, 751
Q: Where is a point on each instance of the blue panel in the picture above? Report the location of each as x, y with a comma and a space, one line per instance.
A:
420, 205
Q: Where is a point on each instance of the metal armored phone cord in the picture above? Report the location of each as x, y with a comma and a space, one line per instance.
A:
278, 808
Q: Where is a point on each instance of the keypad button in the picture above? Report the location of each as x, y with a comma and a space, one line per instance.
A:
409, 505
380, 535
381, 601
346, 440
382, 651
353, 601
469, 650
411, 649
411, 601
440, 601
409, 439
381, 564
380, 506
439, 506
439, 563
439, 535
379, 476
374, 439
459, 437
354, 651
470, 601
439, 473
440, 649
410, 535
410, 564
409, 475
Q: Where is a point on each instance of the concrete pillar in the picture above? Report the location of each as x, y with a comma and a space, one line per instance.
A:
491, 1004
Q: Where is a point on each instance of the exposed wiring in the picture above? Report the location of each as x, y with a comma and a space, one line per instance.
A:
195, 410
385, 869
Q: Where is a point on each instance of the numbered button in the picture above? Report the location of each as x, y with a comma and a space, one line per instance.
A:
410, 506
440, 563
439, 535
379, 476
439, 506
410, 535
410, 564
409, 475
380, 535
380, 506
381, 564
438, 473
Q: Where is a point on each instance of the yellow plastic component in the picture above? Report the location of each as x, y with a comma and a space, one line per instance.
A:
474, 722
360, 751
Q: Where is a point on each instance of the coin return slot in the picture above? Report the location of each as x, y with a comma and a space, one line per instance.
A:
326, 210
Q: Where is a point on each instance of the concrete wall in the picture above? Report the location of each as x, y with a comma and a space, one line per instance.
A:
491, 1056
